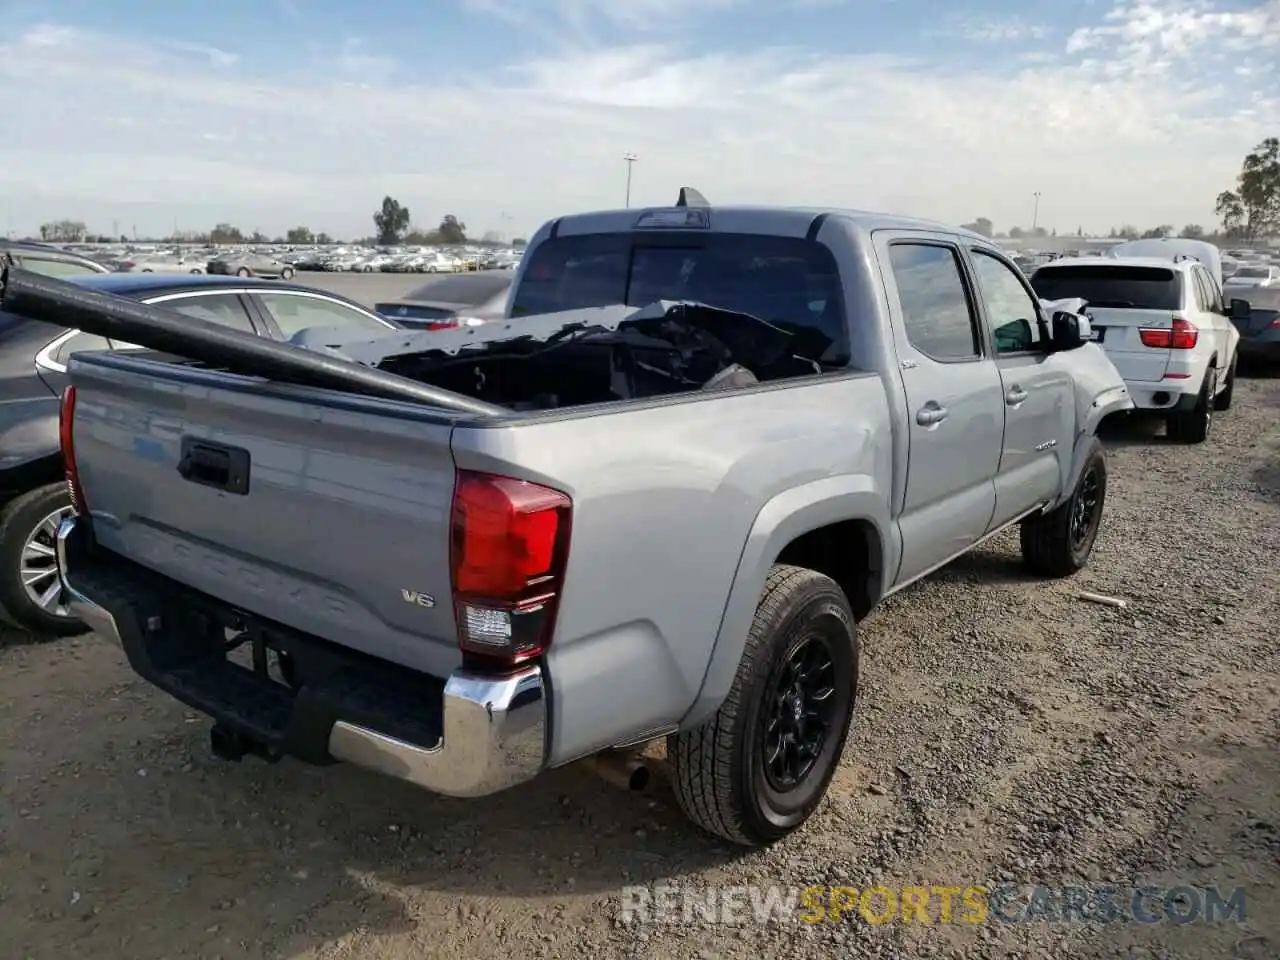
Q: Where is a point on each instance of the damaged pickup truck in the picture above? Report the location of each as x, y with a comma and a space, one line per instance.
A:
653, 502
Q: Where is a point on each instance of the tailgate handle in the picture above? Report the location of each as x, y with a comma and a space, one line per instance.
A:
215, 465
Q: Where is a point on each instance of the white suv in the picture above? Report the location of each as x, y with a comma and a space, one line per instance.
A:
1164, 325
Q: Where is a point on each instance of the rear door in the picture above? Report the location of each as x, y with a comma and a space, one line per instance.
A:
955, 400
1212, 321
1039, 395
1124, 299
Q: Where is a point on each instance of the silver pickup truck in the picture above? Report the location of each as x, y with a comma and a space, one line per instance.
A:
654, 501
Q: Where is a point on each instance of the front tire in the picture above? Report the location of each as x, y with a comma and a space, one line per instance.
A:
757, 770
30, 591
1060, 543
242, 272
286, 273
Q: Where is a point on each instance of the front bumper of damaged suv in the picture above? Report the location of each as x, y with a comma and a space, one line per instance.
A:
465, 736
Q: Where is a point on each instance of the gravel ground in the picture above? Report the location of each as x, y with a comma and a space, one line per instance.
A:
1008, 731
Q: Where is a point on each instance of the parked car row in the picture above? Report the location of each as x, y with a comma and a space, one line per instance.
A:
409, 260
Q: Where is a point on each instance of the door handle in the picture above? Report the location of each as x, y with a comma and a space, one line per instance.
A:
1015, 396
931, 414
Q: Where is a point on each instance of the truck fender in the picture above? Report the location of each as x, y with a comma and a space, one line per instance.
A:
1084, 444
788, 515
1107, 402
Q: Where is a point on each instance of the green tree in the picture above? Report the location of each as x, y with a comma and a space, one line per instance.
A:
519, 242
226, 233
1016, 233
1128, 232
981, 225
392, 220
300, 235
1158, 233
452, 230
1192, 231
323, 238
63, 231
1253, 208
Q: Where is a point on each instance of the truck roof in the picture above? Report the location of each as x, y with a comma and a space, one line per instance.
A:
782, 221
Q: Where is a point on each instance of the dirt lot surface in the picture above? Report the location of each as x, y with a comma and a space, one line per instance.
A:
1007, 732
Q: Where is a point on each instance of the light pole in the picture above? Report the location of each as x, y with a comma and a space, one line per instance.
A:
631, 158
1035, 212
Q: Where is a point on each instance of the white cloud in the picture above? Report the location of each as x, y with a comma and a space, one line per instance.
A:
1142, 119
1012, 30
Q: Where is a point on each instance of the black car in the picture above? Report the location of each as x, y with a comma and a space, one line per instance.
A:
33, 371
1260, 334
50, 261
438, 303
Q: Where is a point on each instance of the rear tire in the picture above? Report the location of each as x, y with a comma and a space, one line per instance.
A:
1223, 400
242, 272
25, 545
1060, 543
286, 273
1193, 426
757, 770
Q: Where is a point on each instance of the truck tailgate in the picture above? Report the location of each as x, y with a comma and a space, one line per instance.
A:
1118, 331
340, 528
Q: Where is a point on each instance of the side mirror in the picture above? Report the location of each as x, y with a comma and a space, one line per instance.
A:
1070, 330
1239, 309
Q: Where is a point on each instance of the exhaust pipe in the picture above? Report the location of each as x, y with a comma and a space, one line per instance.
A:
227, 744
629, 771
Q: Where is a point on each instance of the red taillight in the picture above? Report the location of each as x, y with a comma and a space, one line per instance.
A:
1275, 324
510, 546
448, 323
1183, 335
66, 440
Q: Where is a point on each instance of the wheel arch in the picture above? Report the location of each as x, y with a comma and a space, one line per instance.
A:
808, 526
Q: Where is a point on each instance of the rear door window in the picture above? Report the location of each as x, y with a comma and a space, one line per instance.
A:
52, 267
936, 308
1200, 291
224, 309
1212, 291
1103, 285
791, 282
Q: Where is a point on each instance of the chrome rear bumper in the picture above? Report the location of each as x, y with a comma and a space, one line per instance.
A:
494, 729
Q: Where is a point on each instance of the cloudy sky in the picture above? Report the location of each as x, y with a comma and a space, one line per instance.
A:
273, 113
